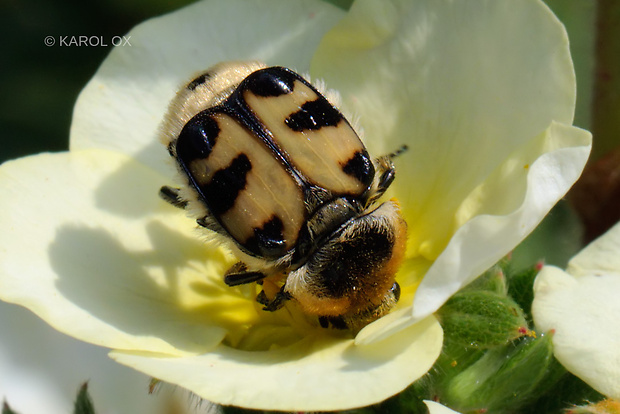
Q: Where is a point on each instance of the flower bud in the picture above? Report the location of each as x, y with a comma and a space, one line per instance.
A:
482, 319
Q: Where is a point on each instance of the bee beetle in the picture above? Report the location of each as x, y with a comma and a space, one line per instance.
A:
267, 162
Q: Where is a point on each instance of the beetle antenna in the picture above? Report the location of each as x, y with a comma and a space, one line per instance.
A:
403, 148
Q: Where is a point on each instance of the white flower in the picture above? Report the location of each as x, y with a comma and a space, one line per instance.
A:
436, 408
482, 92
581, 307
42, 369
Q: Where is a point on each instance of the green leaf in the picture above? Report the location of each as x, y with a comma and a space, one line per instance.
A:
567, 392
6, 409
83, 402
230, 409
343, 4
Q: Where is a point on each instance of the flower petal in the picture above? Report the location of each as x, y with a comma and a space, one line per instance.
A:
581, 306
436, 408
463, 84
483, 93
502, 219
602, 256
123, 105
89, 247
42, 370
452, 80
499, 223
319, 373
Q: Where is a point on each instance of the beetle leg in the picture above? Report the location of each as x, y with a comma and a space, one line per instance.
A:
235, 279
262, 298
278, 301
238, 274
171, 195
337, 322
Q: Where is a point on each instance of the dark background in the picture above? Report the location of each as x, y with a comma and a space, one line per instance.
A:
39, 84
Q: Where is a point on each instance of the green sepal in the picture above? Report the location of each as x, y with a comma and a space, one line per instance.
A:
493, 280
482, 319
505, 378
521, 288
83, 402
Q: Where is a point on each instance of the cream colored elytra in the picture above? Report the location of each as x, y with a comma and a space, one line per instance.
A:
268, 163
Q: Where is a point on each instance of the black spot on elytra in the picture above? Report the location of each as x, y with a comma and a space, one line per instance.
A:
198, 81
222, 191
314, 115
268, 240
360, 167
274, 81
197, 138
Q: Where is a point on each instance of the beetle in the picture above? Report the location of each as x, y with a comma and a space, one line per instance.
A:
270, 165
